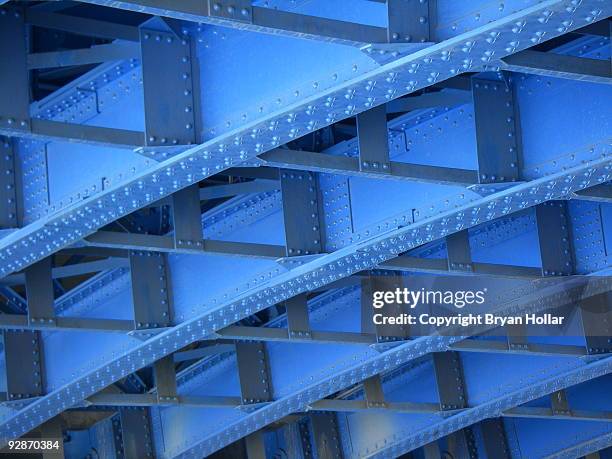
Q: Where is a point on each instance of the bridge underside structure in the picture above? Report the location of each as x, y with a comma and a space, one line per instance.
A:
196, 198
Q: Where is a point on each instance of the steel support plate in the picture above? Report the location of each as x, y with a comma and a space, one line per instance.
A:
168, 87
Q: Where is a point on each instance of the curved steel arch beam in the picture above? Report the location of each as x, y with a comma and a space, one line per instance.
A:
495, 407
585, 448
320, 271
466, 52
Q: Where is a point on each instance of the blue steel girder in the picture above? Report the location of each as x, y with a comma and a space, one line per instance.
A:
351, 249
322, 270
585, 448
468, 51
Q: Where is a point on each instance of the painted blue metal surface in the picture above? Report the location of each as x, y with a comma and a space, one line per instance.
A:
259, 91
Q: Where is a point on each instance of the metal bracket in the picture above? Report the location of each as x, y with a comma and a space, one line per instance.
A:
187, 218
150, 294
449, 378
167, 76
300, 212
408, 21
8, 187
466, 444
458, 251
305, 439
255, 446
39, 291
384, 333
494, 438
297, 317
234, 10
14, 86
253, 372
373, 138
325, 435
596, 317
554, 238
517, 337
132, 433
374, 394
559, 403
165, 380
22, 351
496, 131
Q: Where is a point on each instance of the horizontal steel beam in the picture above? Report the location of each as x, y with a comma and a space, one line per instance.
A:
439, 265
202, 352
258, 19
598, 193
238, 332
234, 189
351, 406
81, 26
67, 132
119, 399
21, 322
151, 242
94, 55
429, 100
560, 66
76, 269
547, 413
320, 162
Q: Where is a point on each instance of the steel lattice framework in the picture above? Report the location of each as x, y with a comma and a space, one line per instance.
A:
197, 198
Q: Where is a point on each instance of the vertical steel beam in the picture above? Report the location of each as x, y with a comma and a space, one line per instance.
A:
253, 372
23, 360
52, 430
325, 435
8, 186
408, 21
374, 394
14, 86
458, 251
497, 140
372, 136
384, 333
305, 439
167, 78
297, 316
165, 380
300, 212
494, 438
432, 451
559, 403
187, 218
150, 292
255, 446
132, 434
555, 242
449, 379
39, 291
596, 318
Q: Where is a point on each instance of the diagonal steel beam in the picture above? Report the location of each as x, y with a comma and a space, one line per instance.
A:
436, 63
322, 270
593, 445
308, 394
495, 407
